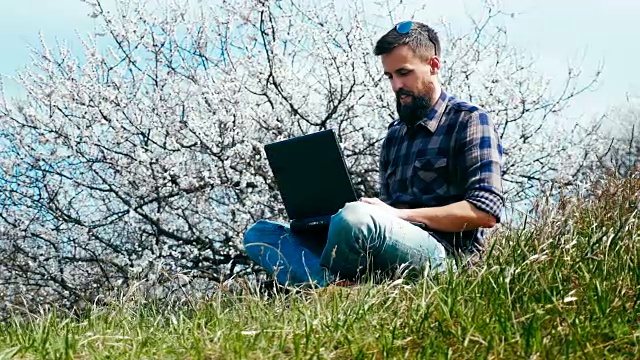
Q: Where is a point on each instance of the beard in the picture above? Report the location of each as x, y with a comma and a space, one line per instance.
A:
413, 112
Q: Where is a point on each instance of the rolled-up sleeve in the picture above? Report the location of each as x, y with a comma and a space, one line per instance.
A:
482, 159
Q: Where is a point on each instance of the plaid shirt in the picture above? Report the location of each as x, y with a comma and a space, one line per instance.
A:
453, 154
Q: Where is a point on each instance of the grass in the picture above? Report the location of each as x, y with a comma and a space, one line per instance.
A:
566, 286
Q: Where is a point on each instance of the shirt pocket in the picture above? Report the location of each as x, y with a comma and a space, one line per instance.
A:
430, 175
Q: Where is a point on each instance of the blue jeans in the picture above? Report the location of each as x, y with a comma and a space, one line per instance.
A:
361, 239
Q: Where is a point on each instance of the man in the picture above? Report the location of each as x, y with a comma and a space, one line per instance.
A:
440, 166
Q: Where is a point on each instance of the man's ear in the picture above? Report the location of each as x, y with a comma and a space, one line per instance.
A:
434, 63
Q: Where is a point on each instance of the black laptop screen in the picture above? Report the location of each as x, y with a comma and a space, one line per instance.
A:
311, 174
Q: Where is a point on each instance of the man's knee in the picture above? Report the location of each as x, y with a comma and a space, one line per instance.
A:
255, 232
353, 217
354, 227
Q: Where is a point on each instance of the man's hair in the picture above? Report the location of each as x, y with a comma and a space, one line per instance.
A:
421, 39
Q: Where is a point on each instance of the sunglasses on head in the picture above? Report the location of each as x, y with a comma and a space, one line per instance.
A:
406, 26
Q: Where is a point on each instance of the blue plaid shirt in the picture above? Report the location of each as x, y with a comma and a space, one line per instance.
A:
453, 154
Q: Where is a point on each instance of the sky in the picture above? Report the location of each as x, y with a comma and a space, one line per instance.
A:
555, 32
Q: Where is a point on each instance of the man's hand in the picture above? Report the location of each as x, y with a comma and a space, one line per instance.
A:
379, 203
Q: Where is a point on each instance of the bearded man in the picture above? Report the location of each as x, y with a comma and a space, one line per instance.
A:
440, 180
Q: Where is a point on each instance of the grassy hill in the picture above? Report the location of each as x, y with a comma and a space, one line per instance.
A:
565, 286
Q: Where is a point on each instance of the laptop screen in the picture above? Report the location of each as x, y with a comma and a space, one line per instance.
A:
311, 174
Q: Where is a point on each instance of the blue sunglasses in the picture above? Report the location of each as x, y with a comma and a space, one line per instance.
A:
406, 26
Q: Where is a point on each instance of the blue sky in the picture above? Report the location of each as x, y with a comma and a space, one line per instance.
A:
555, 32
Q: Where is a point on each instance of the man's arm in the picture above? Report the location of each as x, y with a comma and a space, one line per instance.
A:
455, 217
383, 165
459, 216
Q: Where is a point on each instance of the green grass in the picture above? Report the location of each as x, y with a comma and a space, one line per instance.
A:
566, 286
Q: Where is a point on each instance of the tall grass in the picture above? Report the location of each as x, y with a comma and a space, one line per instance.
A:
564, 286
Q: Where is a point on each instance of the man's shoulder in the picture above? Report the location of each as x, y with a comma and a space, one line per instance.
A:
466, 114
465, 107
394, 131
394, 124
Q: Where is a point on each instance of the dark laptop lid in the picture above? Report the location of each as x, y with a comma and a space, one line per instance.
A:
311, 174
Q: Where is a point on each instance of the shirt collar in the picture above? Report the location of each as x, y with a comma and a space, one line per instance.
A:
431, 120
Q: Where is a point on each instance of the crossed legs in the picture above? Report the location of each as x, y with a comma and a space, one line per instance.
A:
361, 239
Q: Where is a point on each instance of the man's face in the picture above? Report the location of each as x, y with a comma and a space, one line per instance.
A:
412, 82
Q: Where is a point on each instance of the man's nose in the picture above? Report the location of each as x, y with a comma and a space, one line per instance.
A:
396, 84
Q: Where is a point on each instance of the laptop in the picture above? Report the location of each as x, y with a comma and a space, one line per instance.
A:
312, 177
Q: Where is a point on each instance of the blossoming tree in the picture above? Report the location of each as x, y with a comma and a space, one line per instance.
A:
140, 156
